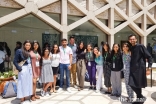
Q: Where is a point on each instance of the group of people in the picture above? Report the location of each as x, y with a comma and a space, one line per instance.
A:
75, 61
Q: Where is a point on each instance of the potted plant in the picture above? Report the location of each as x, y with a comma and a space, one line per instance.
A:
7, 76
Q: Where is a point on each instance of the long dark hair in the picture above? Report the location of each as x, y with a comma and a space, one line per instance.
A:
38, 49
52, 50
90, 45
126, 45
113, 52
78, 48
24, 51
5, 45
93, 52
103, 50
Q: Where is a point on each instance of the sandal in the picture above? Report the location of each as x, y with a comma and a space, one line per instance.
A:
37, 97
33, 98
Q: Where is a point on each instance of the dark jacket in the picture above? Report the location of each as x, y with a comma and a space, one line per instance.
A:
18, 58
118, 62
139, 54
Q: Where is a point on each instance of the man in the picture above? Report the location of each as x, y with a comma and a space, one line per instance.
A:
65, 64
18, 46
73, 46
137, 78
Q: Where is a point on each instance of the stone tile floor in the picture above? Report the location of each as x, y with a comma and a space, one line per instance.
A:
86, 97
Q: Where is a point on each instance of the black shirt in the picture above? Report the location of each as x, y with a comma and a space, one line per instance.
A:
80, 54
117, 60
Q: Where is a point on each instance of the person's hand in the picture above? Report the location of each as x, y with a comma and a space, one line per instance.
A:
148, 71
69, 67
85, 51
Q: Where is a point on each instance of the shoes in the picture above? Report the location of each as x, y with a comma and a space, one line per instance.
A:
37, 97
60, 89
112, 95
118, 95
68, 89
90, 87
79, 89
97, 91
94, 88
42, 93
47, 94
33, 98
75, 86
106, 92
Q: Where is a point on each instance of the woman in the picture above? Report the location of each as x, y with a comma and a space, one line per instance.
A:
55, 54
107, 67
24, 86
91, 67
126, 69
35, 59
117, 65
80, 65
99, 67
2, 58
46, 72
7, 52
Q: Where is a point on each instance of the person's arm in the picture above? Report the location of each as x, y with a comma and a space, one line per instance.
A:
16, 60
147, 56
70, 58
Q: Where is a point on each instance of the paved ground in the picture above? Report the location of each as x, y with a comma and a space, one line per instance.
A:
87, 97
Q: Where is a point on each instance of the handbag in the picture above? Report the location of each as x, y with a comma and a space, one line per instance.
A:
15, 71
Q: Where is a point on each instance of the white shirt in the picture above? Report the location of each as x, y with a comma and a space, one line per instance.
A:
55, 59
64, 54
2, 56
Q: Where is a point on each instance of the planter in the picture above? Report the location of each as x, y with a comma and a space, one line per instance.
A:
6, 79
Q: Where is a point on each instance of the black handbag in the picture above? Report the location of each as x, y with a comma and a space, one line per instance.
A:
122, 74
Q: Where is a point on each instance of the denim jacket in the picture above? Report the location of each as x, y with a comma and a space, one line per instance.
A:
18, 58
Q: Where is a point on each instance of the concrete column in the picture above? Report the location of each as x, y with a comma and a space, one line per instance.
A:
144, 22
64, 21
129, 8
144, 40
89, 5
111, 40
111, 18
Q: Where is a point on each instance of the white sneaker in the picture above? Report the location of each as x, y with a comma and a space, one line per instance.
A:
97, 91
42, 93
60, 89
47, 94
75, 86
68, 89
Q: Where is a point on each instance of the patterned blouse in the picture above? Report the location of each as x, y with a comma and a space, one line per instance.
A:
126, 60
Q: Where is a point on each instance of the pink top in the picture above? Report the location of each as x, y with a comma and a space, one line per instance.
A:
35, 57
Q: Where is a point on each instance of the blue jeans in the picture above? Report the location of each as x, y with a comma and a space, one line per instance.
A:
64, 67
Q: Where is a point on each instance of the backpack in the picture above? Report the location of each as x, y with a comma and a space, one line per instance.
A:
9, 89
86, 77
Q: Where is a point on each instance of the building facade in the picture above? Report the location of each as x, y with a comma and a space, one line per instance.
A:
92, 21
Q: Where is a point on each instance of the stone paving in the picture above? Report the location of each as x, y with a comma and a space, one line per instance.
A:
86, 97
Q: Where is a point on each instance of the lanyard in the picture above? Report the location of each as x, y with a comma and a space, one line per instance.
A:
105, 56
36, 55
89, 55
64, 50
114, 57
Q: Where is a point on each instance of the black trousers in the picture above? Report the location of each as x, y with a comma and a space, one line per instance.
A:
2, 67
138, 92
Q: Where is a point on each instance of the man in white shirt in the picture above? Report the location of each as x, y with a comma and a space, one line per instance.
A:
2, 58
65, 64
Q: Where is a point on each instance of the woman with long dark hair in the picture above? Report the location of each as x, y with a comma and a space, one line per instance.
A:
55, 54
91, 66
126, 56
46, 71
80, 65
107, 67
99, 68
24, 86
35, 57
117, 65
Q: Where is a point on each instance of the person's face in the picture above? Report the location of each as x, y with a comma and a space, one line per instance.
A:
64, 43
125, 48
116, 47
105, 47
81, 45
46, 52
27, 46
95, 51
72, 41
89, 47
55, 47
133, 40
35, 46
